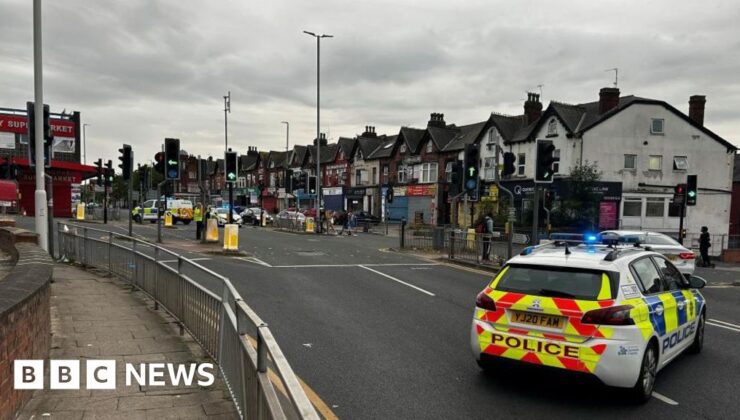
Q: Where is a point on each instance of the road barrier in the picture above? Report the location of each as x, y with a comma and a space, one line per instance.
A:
210, 309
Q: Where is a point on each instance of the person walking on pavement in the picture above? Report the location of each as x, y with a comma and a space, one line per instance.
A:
352, 223
705, 241
198, 217
487, 232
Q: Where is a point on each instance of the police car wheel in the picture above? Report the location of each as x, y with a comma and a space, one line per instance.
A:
643, 389
698, 343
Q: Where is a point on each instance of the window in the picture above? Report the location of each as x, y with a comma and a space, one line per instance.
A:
192, 174
657, 126
660, 239
402, 174
655, 163
429, 147
680, 163
385, 173
632, 207
448, 171
521, 161
575, 283
358, 177
629, 161
552, 128
403, 148
492, 136
671, 276
426, 172
489, 167
655, 207
375, 175
647, 275
556, 163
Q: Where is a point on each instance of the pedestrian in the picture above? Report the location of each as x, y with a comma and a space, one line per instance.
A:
198, 217
705, 241
352, 223
487, 234
342, 220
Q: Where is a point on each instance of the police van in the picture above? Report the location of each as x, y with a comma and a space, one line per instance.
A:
619, 313
181, 210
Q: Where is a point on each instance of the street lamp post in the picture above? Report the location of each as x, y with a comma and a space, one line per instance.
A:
318, 123
227, 110
40, 203
84, 144
287, 145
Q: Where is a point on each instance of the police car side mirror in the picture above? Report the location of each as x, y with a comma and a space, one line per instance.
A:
696, 282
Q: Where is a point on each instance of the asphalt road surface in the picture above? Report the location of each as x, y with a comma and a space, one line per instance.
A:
381, 334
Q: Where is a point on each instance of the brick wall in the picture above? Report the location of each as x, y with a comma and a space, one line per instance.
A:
24, 334
25, 319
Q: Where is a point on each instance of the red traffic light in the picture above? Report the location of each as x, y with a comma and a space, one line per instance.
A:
679, 189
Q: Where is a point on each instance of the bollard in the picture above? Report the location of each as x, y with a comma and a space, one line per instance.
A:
403, 232
452, 244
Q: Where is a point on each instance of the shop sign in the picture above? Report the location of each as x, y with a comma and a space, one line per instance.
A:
18, 124
332, 191
412, 159
420, 190
356, 192
399, 191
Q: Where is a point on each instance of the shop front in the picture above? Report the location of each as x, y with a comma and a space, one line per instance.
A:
270, 200
421, 204
333, 198
355, 199
399, 208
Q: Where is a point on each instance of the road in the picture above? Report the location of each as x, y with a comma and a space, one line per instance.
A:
381, 334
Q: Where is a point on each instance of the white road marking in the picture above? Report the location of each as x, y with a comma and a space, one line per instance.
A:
353, 265
254, 260
200, 259
663, 398
398, 281
167, 261
723, 326
725, 323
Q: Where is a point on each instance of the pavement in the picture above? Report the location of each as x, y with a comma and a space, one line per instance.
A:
375, 333
98, 317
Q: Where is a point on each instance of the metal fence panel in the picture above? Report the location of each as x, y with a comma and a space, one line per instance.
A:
222, 323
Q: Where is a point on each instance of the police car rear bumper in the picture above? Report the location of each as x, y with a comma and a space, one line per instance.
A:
618, 363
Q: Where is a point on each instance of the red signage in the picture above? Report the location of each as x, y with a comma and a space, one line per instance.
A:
419, 190
17, 124
608, 215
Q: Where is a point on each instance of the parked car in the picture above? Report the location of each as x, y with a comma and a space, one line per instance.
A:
252, 213
365, 217
291, 215
222, 217
683, 258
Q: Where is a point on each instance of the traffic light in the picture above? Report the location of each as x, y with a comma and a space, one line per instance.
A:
470, 165
548, 197
691, 190
99, 165
109, 172
159, 162
456, 177
389, 194
48, 137
312, 185
172, 159
288, 177
543, 165
230, 159
509, 168
126, 158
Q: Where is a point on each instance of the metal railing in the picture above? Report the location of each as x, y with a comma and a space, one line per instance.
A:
292, 224
207, 305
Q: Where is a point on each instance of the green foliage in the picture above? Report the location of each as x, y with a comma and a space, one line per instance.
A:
580, 210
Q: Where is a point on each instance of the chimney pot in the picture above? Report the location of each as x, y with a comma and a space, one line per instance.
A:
696, 108
532, 108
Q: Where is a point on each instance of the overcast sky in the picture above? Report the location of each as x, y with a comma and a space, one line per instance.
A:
143, 70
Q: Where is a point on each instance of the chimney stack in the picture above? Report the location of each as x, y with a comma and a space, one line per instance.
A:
696, 108
436, 120
608, 99
532, 107
369, 131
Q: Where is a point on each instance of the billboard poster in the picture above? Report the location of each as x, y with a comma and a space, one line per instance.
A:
608, 215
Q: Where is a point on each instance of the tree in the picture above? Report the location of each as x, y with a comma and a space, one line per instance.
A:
580, 207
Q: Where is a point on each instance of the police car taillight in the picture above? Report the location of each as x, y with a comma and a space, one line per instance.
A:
484, 301
686, 256
615, 315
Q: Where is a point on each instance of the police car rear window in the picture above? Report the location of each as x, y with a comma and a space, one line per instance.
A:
561, 282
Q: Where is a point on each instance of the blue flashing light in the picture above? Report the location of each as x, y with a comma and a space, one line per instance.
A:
591, 238
526, 251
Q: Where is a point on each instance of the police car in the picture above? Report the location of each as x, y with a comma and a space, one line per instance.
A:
619, 313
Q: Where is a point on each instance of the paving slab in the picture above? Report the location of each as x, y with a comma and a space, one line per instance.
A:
96, 317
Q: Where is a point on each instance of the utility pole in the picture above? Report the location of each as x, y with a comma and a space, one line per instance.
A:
287, 134
38, 84
227, 110
536, 215
318, 123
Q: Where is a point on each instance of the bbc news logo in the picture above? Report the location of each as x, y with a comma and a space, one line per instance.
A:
101, 374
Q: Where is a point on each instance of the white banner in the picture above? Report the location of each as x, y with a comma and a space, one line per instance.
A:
63, 145
7, 140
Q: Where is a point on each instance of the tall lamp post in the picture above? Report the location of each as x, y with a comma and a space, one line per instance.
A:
227, 110
287, 142
287, 134
318, 123
84, 158
40, 203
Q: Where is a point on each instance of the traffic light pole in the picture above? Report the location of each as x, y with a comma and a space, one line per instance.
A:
105, 202
680, 220
231, 202
536, 216
130, 213
159, 210
512, 210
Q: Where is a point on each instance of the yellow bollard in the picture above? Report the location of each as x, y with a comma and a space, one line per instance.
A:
81, 211
168, 219
231, 237
309, 224
212, 230
471, 238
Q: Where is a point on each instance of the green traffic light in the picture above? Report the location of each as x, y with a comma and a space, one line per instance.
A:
172, 162
692, 194
232, 175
